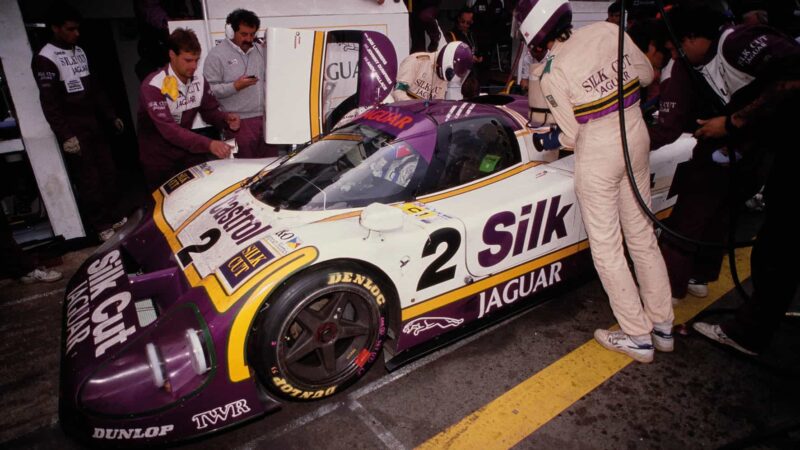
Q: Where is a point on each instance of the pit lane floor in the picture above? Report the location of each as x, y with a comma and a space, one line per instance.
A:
536, 380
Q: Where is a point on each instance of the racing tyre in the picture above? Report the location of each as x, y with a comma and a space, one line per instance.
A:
320, 333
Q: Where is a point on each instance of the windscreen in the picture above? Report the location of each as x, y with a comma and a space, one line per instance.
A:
353, 167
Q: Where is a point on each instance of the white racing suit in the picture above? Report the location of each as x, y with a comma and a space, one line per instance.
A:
416, 79
580, 84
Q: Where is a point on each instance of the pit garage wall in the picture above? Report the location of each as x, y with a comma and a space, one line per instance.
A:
40, 142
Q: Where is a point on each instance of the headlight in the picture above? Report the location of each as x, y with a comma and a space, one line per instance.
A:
159, 368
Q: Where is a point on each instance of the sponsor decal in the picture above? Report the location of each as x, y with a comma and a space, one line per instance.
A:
517, 288
394, 119
601, 84
106, 319
238, 220
459, 111
245, 263
423, 324
178, 181
131, 433
362, 280
527, 234
362, 358
422, 212
287, 388
284, 241
220, 414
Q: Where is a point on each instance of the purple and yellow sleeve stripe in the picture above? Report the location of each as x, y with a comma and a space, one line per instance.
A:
608, 104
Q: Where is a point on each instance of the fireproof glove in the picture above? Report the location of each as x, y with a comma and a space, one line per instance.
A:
548, 140
71, 146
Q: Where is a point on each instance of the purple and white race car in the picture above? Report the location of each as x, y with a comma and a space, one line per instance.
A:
248, 286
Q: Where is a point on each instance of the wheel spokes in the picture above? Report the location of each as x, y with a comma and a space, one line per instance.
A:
303, 346
349, 329
327, 354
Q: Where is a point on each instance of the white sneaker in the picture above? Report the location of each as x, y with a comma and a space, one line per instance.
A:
106, 234
119, 224
618, 341
698, 289
662, 341
41, 274
715, 333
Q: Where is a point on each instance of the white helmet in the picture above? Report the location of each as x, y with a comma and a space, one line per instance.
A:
542, 20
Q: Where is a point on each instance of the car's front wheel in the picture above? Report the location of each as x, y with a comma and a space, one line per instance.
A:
320, 333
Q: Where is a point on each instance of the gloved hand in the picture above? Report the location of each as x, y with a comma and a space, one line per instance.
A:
119, 125
71, 146
548, 140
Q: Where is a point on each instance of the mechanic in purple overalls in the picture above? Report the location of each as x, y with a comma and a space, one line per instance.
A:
169, 100
77, 111
579, 83
755, 70
701, 211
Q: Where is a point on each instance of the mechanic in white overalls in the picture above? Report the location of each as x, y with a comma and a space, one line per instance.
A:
579, 83
434, 75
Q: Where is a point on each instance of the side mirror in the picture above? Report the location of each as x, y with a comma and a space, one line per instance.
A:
380, 217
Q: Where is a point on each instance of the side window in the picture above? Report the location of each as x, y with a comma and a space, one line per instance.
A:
467, 150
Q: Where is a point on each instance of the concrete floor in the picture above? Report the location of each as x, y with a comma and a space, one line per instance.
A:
700, 396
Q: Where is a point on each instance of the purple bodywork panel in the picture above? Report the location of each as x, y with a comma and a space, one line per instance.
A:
107, 392
377, 68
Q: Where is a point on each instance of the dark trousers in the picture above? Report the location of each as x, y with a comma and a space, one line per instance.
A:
93, 174
13, 261
701, 213
775, 268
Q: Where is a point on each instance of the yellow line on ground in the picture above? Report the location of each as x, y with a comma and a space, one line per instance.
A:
518, 413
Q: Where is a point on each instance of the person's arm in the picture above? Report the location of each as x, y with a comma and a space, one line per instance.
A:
773, 59
210, 110
677, 106
158, 111
214, 71
555, 89
51, 96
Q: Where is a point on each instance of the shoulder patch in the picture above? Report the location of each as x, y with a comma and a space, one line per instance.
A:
551, 100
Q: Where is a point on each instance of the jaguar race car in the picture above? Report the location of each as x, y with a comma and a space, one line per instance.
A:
252, 284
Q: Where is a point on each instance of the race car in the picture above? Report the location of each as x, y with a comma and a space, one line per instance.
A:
253, 283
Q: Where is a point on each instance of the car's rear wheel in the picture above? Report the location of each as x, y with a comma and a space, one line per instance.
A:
320, 333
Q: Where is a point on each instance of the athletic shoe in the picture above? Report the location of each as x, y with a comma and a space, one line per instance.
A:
119, 224
715, 333
106, 234
41, 274
698, 288
662, 341
618, 341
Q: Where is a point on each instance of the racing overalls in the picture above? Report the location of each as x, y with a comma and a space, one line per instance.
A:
764, 58
74, 107
580, 84
416, 78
